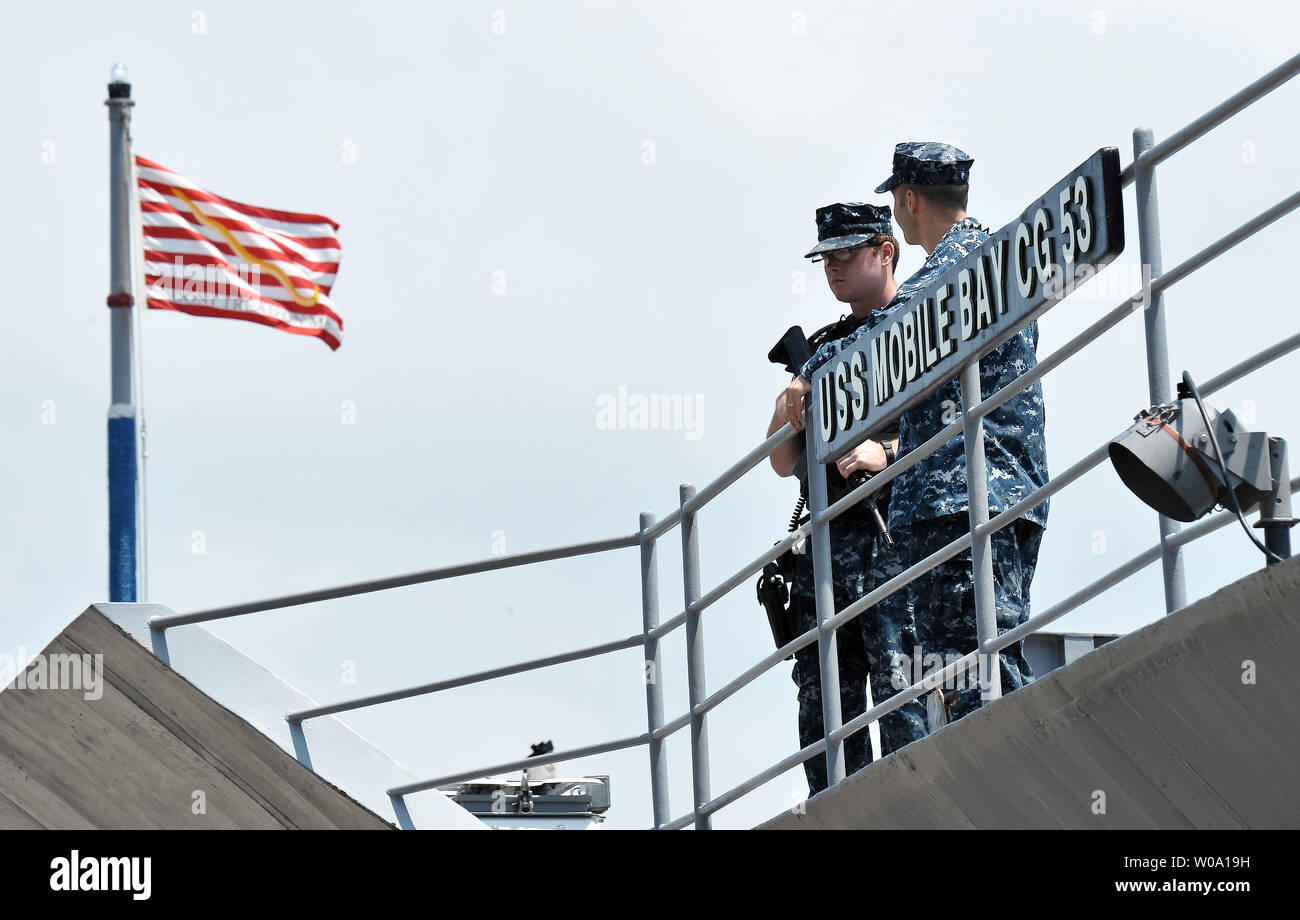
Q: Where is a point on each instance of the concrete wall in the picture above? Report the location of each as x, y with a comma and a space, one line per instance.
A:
1190, 722
263, 699
131, 747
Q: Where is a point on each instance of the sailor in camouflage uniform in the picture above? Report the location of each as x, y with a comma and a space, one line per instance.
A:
928, 508
857, 245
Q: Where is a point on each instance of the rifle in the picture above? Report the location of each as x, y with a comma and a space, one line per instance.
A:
792, 351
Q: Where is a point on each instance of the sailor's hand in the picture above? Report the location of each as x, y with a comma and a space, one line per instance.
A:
794, 401
868, 455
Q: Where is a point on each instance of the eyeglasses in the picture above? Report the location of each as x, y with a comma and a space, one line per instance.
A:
839, 255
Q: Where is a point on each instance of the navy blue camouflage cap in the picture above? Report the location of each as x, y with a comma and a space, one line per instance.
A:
851, 223
928, 163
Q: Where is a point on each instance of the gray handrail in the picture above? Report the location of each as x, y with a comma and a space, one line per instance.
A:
1213, 118
695, 602
1035, 623
970, 660
694, 501
1078, 469
491, 674
397, 581
522, 763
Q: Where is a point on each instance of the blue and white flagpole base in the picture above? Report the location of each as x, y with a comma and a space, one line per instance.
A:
121, 504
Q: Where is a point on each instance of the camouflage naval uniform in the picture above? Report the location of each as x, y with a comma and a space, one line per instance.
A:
870, 646
928, 508
889, 628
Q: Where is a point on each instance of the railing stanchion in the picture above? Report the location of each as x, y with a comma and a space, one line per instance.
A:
1148, 217
654, 695
824, 589
695, 662
403, 815
1275, 510
981, 547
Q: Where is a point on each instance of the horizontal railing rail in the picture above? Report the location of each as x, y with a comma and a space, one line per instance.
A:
534, 664
522, 763
398, 581
1212, 119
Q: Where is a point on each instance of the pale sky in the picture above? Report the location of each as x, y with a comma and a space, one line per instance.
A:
539, 205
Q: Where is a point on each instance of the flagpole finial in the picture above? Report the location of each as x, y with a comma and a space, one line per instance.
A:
118, 87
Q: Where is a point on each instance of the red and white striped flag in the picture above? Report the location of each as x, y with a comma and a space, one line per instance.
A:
210, 256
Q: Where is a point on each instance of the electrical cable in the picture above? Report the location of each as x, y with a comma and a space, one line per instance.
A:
797, 518
1223, 469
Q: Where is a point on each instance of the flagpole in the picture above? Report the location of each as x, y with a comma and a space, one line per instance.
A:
122, 495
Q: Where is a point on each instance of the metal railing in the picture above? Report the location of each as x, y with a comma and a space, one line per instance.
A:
1150, 300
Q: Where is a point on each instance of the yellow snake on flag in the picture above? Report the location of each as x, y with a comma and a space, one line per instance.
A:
229, 237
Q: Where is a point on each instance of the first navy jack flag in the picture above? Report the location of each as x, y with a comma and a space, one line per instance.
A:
211, 256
